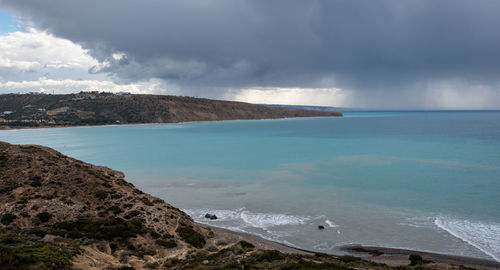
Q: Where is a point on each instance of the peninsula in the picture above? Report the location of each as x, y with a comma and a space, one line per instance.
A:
94, 108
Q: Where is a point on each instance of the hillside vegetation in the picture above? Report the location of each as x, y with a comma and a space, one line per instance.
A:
93, 108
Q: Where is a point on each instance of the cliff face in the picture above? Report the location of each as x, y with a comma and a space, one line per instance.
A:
107, 108
57, 212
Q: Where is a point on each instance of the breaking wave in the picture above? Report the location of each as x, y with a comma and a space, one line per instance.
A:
249, 219
331, 224
483, 236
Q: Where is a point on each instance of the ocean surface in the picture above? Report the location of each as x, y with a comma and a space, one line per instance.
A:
418, 180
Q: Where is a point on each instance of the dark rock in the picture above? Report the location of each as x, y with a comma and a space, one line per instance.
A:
210, 216
373, 252
321, 227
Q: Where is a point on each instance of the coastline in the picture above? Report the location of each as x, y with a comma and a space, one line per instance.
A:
385, 255
393, 256
66, 219
156, 123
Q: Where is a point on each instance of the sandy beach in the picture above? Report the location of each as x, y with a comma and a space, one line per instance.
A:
389, 256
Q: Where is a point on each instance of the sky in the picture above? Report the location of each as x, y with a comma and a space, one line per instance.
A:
7, 23
385, 54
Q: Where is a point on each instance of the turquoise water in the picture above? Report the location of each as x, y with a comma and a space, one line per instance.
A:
418, 180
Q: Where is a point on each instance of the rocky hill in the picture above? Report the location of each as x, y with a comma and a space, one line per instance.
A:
57, 212
93, 108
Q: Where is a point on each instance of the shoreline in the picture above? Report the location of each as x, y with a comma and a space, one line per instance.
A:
150, 221
392, 256
385, 255
156, 123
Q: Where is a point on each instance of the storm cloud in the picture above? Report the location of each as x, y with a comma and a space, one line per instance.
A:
413, 52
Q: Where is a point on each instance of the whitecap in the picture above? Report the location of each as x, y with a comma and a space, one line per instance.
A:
247, 218
264, 220
331, 224
222, 214
483, 236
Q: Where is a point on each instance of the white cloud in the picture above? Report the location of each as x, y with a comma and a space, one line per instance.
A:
46, 85
36, 61
292, 96
38, 50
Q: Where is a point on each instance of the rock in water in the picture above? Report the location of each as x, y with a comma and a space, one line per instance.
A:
210, 216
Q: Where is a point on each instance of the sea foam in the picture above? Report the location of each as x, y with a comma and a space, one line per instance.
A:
249, 219
331, 224
483, 236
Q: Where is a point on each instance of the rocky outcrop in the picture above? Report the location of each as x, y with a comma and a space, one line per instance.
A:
210, 216
57, 197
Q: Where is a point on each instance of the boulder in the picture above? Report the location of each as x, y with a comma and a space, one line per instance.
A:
210, 216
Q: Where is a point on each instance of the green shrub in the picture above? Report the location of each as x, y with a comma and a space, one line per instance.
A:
246, 245
3, 159
36, 181
166, 244
270, 255
132, 214
146, 201
74, 234
303, 265
7, 218
156, 201
119, 268
8, 238
37, 232
348, 259
415, 259
105, 184
8, 259
101, 194
113, 246
190, 236
44, 216
154, 234
102, 229
24, 254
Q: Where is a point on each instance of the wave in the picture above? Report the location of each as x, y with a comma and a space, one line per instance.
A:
331, 224
261, 220
249, 219
483, 236
419, 222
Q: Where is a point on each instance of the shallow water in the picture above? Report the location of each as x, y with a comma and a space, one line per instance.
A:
418, 180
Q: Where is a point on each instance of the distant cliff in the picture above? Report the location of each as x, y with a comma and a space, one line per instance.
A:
93, 108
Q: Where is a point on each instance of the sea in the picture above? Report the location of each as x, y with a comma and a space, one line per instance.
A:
422, 180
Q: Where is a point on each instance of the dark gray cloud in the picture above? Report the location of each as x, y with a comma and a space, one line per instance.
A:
382, 46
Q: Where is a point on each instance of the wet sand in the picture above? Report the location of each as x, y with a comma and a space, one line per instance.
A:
396, 256
389, 256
